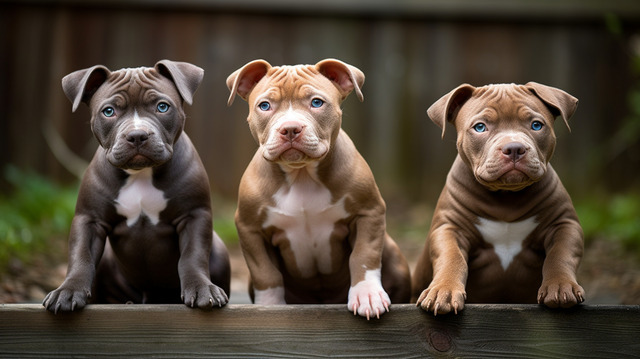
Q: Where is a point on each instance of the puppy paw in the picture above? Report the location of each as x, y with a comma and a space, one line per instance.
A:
66, 299
442, 299
565, 294
204, 295
368, 298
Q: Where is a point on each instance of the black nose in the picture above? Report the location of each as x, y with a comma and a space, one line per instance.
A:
514, 150
137, 137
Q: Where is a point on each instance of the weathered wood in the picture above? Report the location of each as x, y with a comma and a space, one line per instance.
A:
168, 331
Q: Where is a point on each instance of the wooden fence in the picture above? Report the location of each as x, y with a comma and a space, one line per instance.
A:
306, 331
412, 52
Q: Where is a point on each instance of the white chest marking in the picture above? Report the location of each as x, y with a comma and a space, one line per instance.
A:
305, 213
138, 196
506, 237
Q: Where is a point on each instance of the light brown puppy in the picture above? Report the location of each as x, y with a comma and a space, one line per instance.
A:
310, 218
504, 228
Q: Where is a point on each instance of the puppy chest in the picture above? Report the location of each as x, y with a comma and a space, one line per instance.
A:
506, 237
138, 197
306, 220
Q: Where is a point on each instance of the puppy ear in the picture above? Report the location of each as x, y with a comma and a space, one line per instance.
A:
559, 102
446, 108
243, 80
186, 76
80, 85
344, 76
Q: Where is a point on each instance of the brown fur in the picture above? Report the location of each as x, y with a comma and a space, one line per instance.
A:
457, 264
358, 242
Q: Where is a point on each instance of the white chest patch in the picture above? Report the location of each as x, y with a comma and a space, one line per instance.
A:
506, 237
305, 213
139, 197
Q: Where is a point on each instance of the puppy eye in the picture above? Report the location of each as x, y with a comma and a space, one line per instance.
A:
264, 106
163, 107
480, 127
536, 125
109, 112
316, 102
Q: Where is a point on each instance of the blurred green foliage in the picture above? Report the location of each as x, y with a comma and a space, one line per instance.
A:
35, 213
612, 217
224, 219
226, 229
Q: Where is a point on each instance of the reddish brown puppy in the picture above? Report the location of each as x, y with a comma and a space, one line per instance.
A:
504, 228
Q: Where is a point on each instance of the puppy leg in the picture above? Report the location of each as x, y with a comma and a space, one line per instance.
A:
446, 292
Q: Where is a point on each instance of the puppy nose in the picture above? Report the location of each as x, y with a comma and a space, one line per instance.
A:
514, 150
291, 130
137, 137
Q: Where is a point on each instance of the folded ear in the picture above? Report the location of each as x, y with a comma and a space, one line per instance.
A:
186, 76
446, 108
559, 102
244, 79
80, 85
344, 76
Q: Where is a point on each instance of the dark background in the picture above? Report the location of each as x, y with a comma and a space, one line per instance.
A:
412, 52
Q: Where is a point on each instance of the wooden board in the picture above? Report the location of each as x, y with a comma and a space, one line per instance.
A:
304, 331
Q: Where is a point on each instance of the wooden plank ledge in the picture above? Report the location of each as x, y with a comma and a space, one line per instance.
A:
246, 331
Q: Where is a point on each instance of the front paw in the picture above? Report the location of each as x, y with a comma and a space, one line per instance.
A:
66, 298
442, 299
368, 298
204, 295
559, 293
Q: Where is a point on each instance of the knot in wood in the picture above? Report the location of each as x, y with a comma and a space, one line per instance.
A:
440, 341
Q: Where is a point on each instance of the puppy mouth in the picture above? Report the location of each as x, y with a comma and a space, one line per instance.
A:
295, 153
509, 177
138, 162
138, 159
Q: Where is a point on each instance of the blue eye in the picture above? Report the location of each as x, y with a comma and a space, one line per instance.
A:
536, 125
264, 106
109, 112
163, 107
316, 102
480, 127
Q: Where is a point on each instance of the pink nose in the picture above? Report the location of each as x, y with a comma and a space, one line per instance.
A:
291, 129
514, 150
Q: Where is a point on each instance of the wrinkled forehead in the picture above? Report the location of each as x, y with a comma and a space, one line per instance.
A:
132, 77
135, 82
505, 100
288, 82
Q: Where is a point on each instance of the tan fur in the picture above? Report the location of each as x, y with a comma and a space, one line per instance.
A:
359, 241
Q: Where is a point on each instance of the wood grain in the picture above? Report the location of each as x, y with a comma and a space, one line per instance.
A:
294, 331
